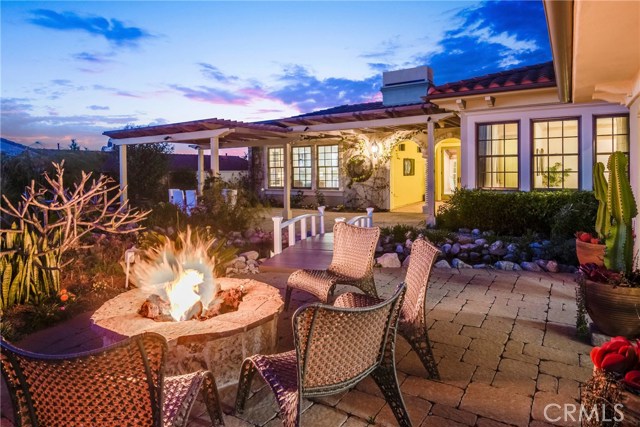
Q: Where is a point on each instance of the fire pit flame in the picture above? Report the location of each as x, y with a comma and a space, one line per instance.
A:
183, 296
180, 273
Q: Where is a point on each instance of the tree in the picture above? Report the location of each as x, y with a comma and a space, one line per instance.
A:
74, 146
148, 168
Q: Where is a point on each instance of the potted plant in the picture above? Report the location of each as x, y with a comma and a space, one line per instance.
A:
611, 294
590, 248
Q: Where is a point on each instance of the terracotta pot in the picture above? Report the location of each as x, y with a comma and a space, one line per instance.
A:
615, 311
589, 252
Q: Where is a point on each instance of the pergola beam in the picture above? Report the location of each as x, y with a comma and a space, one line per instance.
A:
174, 137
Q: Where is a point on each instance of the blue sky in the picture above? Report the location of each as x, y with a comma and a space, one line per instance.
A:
76, 69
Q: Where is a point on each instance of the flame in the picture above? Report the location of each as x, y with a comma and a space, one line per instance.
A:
180, 272
183, 295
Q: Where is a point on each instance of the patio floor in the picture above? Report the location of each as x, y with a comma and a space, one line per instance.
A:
505, 344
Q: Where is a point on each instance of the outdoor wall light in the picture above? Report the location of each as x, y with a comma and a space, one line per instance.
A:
375, 149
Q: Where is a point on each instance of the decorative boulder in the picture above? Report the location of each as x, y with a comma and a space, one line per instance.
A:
479, 266
475, 232
446, 248
552, 267
455, 249
481, 242
399, 248
389, 260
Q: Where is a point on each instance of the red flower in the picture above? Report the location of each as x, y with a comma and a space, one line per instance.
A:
632, 379
617, 356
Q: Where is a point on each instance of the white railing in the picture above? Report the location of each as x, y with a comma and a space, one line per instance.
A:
278, 226
360, 220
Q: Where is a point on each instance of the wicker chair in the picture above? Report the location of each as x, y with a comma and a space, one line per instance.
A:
351, 264
122, 384
335, 348
413, 320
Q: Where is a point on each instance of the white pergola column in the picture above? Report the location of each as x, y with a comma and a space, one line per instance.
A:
200, 170
429, 208
286, 193
124, 182
215, 156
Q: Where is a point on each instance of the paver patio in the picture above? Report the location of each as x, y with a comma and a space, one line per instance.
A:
504, 341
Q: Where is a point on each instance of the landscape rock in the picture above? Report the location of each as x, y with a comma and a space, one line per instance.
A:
399, 248
479, 266
474, 256
468, 247
552, 267
442, 264
480, 242
458, 263
510, 257
455, 249
507, 266
512, 247
475, 232
463, 256
463, 240
530, 266
389, 260
408, 244
542, 264
250, 255
486, 258
446, 248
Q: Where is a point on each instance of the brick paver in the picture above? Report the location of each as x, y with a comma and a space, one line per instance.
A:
504, 341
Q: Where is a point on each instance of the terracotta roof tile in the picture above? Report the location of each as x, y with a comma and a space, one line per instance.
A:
529, 77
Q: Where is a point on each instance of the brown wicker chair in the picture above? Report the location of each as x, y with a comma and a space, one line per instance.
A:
413, 320
335, 348
122, 384
351, 264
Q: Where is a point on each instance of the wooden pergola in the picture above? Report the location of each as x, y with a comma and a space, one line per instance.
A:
215, 133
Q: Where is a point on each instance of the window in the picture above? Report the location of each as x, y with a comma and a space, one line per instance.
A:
276, 167
301, 165
328, 172
498, 156
555, 154
409, 167
612, 134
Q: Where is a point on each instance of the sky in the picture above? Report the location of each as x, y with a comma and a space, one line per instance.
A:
72, 70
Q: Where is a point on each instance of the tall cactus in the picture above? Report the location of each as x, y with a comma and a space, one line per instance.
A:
603, 219
622, 209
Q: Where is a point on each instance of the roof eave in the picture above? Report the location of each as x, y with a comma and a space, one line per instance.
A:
559, 16
516, 88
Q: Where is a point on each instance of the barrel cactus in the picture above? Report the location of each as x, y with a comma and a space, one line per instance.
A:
621, 208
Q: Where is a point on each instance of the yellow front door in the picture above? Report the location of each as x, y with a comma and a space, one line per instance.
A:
447, 168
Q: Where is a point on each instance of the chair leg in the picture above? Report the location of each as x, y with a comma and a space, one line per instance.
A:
419, 340
247, 372
212, 400
287, 297
385, 377
369, 288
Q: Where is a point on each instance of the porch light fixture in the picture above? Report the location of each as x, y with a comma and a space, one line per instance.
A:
375, 149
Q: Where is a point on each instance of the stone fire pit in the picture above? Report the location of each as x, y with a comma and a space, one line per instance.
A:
219, 344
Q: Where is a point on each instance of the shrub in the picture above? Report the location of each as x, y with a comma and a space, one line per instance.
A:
50, 221
514, 213
215, 211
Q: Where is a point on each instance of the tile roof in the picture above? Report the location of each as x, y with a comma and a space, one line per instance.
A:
529, 77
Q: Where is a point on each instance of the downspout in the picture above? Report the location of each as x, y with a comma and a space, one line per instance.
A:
560, 25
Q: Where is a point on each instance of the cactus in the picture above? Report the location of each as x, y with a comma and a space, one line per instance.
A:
622, 208
603, 219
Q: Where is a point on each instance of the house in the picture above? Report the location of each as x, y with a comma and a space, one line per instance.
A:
231, 167
597, 57
512, 130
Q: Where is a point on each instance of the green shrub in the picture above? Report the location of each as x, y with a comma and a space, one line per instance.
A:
515, 213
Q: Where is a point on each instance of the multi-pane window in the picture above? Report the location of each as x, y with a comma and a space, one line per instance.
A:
498, 156
328, 172
276, 167
555, 154
301, 167
612, 134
